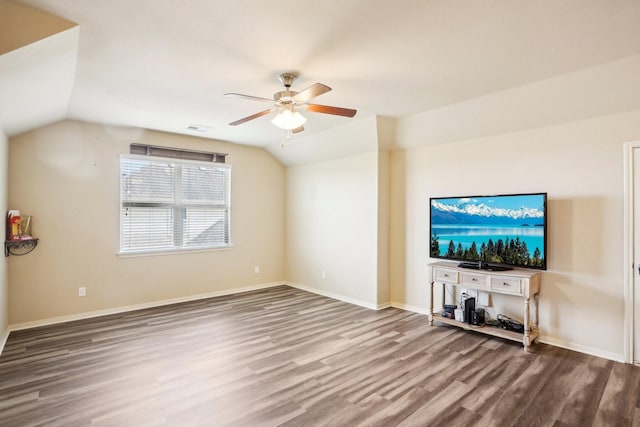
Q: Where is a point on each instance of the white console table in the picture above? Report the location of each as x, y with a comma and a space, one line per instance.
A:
517, 282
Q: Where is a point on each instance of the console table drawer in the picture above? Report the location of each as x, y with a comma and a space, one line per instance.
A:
445, 275
471, 280
507, 285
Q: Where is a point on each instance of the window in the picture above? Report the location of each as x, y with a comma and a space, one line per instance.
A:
169, 204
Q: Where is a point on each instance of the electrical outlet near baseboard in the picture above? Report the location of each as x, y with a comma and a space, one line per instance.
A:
82, 291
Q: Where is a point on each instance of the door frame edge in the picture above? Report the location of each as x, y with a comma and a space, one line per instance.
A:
628, 188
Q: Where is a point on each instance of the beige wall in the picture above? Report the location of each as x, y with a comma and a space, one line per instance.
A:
332, 226
22, 25
398, 234
4, 286
383, 218
579, 165
66, 176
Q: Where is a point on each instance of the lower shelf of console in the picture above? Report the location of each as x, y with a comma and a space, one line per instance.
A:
488, 330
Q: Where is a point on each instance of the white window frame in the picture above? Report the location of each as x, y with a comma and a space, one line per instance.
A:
177, 206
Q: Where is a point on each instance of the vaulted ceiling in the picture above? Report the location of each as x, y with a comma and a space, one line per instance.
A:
456, 66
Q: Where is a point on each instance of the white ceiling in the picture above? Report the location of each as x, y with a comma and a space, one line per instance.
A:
165, 64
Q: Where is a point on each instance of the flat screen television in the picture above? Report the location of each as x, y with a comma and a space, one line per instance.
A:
490, 232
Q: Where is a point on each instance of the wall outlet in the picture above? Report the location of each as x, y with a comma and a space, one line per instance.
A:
256, 269
82, 291
324, 274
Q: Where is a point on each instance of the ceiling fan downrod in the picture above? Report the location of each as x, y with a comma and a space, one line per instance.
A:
287, 79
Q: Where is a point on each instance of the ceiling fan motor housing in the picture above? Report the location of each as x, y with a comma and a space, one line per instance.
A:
285, 96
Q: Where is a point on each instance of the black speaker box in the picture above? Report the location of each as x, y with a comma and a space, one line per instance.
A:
478, 317
469, 309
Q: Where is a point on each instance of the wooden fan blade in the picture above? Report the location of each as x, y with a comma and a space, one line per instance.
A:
298, 129
326, 109
251, 117
249, 97
311, 92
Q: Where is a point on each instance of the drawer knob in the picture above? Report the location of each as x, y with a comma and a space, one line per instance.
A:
505, 284
474, 279
446, 275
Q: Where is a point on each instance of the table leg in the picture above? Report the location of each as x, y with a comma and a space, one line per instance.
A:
527, 331
431, 306
535, 313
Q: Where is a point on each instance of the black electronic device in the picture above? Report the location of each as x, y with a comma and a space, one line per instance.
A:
469, 309
510, 324
507, 230
474, 265
481, 265
477, 317
490, 267
448, 310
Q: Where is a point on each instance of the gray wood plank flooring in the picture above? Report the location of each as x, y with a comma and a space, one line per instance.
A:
285, 357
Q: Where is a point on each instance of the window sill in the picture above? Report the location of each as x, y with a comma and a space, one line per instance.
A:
172, 251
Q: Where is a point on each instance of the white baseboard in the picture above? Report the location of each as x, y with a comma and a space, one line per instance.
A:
616, 357
338, 296
3, 339
116, 310
412, 308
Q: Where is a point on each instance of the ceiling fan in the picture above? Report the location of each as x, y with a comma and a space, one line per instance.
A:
287, 103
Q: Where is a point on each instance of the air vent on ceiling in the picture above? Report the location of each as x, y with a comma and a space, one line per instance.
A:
198, 128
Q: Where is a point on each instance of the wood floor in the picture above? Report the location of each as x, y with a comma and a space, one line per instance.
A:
285, 357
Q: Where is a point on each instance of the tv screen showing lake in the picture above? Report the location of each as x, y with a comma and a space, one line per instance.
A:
466, 235
500, 229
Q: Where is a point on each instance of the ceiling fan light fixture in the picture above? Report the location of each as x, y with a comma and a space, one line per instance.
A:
289, 120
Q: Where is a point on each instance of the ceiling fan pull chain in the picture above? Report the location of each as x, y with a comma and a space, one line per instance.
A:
286, 135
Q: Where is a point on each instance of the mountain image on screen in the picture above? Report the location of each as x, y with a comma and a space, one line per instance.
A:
471, 214
507, 229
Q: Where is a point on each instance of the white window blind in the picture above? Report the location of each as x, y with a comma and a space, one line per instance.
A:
169, 204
